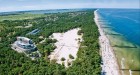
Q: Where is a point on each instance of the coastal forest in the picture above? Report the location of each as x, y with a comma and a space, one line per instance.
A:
13, 63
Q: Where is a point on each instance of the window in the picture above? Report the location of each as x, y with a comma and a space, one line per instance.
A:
30, 42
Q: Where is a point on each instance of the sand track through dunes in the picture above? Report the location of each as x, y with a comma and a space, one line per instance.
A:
67, 44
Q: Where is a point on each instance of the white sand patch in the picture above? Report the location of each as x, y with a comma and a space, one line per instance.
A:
42, 41
110, 65
29, 25
67, 44
122, 63
130, 72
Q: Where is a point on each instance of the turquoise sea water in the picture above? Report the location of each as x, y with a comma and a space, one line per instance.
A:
124, 21
122, 27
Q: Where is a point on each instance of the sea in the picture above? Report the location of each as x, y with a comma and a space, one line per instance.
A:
122, 27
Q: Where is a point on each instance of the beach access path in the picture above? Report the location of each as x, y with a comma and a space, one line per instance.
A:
109, 61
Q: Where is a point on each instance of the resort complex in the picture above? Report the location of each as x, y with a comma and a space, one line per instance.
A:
23, 44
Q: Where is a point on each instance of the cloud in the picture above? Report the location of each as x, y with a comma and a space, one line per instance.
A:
5, 9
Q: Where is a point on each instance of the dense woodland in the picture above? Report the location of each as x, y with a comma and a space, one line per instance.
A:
14, 63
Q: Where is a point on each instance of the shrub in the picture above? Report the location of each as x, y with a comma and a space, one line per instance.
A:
69, 63
63, 59
70, 56
53, 61
80, 32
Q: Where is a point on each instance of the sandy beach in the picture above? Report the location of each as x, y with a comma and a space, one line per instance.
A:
110, 65
67, 44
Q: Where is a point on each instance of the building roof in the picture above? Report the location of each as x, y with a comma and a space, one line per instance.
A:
24, 43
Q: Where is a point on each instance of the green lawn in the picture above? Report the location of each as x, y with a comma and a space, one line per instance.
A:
21, 16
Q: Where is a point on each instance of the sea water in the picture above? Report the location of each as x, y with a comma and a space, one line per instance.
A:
122, 27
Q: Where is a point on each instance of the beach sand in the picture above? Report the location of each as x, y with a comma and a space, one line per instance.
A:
67, 44
110, 65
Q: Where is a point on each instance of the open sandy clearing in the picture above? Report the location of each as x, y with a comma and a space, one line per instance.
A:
67, 44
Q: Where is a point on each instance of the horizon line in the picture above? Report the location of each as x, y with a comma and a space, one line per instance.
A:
61, 9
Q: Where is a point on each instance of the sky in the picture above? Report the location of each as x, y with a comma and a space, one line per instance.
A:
21, 5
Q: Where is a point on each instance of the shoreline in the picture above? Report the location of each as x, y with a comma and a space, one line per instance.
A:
110, 64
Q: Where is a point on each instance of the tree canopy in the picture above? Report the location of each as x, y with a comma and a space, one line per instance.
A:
14, 63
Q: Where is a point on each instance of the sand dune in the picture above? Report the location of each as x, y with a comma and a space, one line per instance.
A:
67, 44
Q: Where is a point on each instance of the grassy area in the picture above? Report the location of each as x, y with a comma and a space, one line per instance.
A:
20, 16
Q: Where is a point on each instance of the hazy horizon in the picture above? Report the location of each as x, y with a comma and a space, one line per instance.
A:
62, 9
23, 5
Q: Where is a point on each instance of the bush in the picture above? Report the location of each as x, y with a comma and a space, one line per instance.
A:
69, 63
48, 41
54, 40
63, 59
53, 61
80, 32
70, 56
